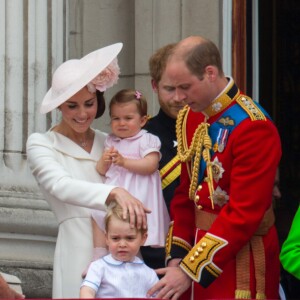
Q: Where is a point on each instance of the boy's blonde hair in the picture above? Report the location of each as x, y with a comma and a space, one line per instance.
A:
114, 209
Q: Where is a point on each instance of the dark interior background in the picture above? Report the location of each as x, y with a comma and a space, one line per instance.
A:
280, 93
279, 40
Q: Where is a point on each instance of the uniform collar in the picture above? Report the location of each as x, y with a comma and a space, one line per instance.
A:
111, 261
223, 100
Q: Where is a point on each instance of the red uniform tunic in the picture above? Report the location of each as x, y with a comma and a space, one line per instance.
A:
225, 235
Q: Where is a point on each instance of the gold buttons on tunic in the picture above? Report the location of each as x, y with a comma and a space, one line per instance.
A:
197, 252
200, 249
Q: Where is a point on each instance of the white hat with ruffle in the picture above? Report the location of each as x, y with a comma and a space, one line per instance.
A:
97, 70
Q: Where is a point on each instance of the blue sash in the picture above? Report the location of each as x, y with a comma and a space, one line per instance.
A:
235, 113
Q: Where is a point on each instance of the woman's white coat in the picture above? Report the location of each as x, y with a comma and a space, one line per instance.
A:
67, 176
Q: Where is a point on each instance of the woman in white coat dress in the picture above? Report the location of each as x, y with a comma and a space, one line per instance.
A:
63, 161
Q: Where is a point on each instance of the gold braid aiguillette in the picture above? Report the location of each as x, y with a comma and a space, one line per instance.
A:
193, 152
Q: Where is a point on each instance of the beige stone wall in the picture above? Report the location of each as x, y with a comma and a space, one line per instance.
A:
143, 26
47, 33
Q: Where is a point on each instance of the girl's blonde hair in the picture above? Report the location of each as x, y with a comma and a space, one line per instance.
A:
128, 95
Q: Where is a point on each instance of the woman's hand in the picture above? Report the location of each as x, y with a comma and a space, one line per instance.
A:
174, 283
132, 206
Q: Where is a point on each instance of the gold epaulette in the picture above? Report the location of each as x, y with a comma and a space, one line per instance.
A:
251, 108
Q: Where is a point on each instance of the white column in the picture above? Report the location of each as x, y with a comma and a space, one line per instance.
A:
37, 72
32, 39
13, 96
227, 37
59, 42
2, 71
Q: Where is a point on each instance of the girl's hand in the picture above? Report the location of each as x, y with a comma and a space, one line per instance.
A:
105, 161
118, 159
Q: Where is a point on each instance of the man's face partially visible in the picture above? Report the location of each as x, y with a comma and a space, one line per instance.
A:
169, 103
196, 93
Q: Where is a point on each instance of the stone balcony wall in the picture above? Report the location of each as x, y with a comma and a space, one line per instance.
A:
36, 36
28, 232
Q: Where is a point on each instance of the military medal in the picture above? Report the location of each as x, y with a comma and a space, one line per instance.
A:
217, 169
222, 139
220, 197
221, 147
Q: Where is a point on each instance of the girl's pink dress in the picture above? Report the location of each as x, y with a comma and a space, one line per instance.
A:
146, 188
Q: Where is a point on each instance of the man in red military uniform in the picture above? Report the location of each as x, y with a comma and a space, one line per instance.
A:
222, 237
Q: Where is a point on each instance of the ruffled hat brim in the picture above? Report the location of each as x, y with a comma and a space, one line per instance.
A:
72, 75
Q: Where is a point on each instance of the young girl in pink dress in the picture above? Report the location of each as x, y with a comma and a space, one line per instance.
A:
130, 160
